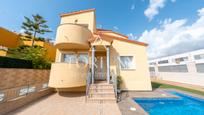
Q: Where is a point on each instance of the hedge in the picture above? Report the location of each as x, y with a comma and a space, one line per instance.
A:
6, 62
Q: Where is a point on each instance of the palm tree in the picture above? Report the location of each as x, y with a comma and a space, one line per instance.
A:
35, 25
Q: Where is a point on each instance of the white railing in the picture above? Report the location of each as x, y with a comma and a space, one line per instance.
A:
88, 82
114, 82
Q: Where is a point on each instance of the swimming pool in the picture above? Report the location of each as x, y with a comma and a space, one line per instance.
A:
184, 105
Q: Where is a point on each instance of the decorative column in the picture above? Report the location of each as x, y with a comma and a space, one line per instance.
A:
92, 63
108, 63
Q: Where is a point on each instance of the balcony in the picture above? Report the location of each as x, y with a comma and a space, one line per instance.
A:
65, 75
72, 36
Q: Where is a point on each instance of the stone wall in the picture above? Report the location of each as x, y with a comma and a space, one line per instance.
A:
21, 86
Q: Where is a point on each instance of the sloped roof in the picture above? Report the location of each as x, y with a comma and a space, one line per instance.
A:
103, 32
76, 12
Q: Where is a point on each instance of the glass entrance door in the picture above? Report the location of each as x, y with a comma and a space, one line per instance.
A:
100, 68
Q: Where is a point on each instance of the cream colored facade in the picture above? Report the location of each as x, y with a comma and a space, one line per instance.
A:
81, 47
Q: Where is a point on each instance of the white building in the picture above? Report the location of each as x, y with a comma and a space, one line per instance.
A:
185, 68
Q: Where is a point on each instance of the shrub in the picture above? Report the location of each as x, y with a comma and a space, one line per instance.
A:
6, 62
36, 54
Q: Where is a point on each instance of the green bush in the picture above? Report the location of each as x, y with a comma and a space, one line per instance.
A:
119, 81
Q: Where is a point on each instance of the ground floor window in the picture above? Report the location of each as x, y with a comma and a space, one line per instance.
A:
75, 58
126, 62
83, 58
69, 58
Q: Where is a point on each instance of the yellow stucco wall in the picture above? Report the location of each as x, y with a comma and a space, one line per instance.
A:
64, 75
3, 53
83, 18
8, 39
12, 40
71, 36
135, 79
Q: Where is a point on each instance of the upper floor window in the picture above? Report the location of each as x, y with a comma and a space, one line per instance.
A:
198, 57
181, 59
163, 62
126, 62
152, 63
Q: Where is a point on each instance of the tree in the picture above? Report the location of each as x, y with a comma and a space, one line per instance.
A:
34, 26
36, 54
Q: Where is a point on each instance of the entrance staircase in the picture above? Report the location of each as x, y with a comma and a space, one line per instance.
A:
101, 92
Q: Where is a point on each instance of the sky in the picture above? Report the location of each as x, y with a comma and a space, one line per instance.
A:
168, 26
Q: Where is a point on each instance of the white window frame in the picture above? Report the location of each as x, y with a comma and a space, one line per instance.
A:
133, 60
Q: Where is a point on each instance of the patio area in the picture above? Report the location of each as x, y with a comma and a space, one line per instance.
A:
66, 104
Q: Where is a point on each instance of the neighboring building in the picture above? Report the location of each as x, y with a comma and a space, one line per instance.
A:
10, 39
185, 68
81, 47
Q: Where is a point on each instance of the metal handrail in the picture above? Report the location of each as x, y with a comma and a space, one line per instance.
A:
88, 82
114, 82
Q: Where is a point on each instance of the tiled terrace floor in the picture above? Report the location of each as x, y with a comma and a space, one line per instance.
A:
67, 104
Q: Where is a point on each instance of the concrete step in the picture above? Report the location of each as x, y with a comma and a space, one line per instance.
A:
101, 87
102, 95
101, 90
102, 100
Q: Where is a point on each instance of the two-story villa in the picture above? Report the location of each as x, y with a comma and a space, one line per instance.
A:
83, 50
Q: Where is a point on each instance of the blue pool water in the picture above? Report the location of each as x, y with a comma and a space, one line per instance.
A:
185, 105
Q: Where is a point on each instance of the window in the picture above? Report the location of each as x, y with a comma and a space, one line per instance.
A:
198, 57
152, 63
31, 89
151, 69
200, 67
69, 58
2, 96
126, 62
163, 62
83, 58
178, 60
23, 91
45, 85
173, 68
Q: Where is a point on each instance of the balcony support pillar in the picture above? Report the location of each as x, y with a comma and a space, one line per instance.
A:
92, 63
108, 63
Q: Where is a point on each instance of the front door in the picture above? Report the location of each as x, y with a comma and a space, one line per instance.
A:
100, 68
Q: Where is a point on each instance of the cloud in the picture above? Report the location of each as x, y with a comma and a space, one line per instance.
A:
115, 27
132, 7
154, 7
132, 36
174, 37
